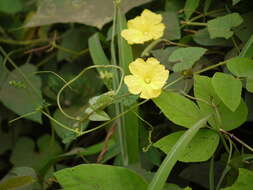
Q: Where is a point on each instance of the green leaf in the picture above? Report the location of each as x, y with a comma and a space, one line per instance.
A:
98, 115
208, 99
243, 182
202, 37
247, 50
174, 5
23, 172
103, 177
17, 182
11, 7
172, 157
17, 95
66, 135
249, 84
163, 54
97, 104
172, 30
200, 149
5, 141
207, 5
74, 42
78, 11
234, 2
99, 58
184, 85
178, 109
220, 27
190, 7
245, 30
24, 154
240, 66
186, 57
228, 89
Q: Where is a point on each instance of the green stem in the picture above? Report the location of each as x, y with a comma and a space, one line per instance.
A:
22, 43
206, 14
150, 47
227, 168
210, 67
173, 82
78, 76
211, 174
237, 139
60, 124
193, 23
113, 119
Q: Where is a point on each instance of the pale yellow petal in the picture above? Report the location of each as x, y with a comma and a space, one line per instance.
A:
133, 36
157, 31
151, 17
149, 93
138, 67
136, 23
134, 84
152, 61
159, 79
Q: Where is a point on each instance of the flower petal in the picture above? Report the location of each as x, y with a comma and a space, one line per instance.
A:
133, 36
159, 79
149, 93
134, 84
157, 31
138, 67
151, 17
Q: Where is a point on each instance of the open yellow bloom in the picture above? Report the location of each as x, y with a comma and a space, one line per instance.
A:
147, 79
143, 28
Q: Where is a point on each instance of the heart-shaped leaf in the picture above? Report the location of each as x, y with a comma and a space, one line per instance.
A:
186, 57
228, 89
200, 149
103, 177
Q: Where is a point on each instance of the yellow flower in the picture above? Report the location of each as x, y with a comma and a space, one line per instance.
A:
143, 28
147, 79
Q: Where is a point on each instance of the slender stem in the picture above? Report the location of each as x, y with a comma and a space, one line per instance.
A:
206, 14
55, 74
173, 82
78, 76
150, 47
218, 117
193, 23
60, 124
22, 43
211, 174
22, 116
232, 136
116, 117
46, 60
236, 46
210, 67
227, 168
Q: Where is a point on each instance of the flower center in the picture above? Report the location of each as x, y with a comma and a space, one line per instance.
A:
147, 80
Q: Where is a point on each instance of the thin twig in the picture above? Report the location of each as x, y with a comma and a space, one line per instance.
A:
105, 147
